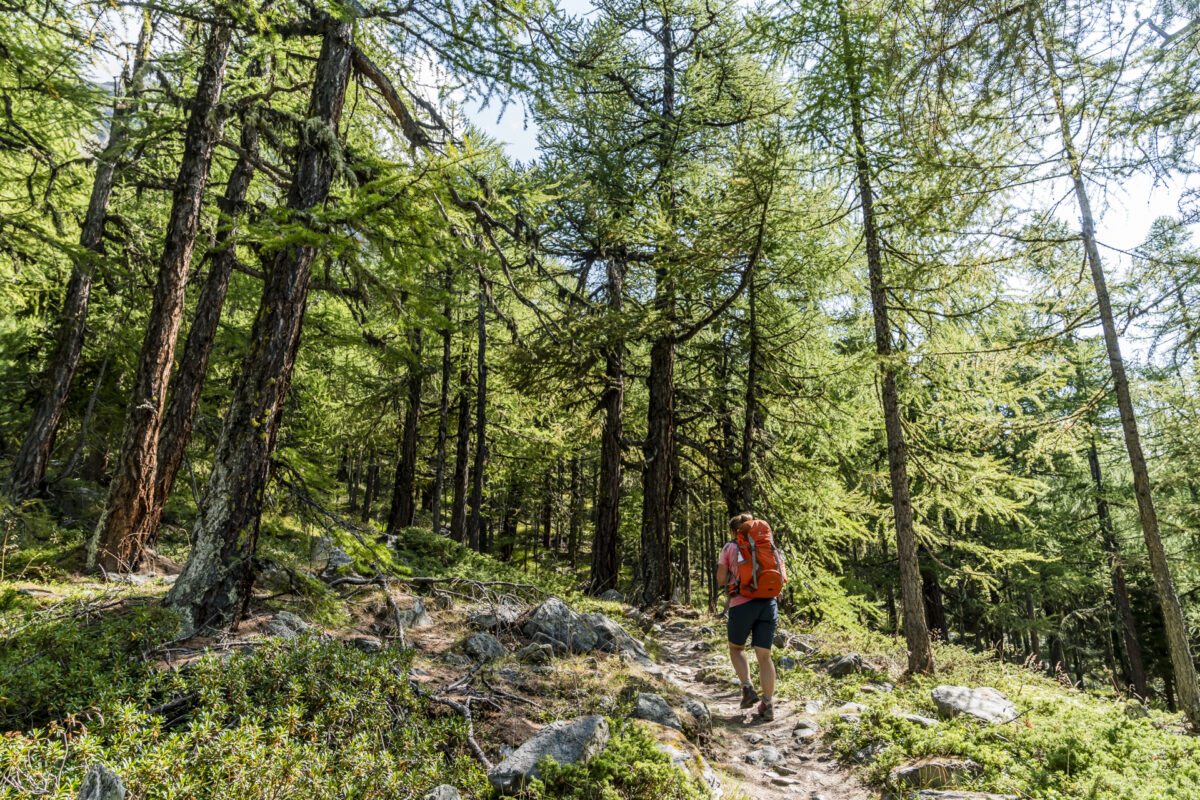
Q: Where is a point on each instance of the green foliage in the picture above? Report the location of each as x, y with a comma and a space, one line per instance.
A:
74, 657
1065, 745
630, 768
304, 718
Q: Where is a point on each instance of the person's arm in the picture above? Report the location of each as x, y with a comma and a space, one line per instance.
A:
722, 574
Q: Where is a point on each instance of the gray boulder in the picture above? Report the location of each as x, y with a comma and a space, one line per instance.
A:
367, 644
701, 721
787, 663
287, 625
984, 703
566, 741
764, 756
934, 772
484, 647
869, 752
842, 666
100, 783
613, 596
652, 708
555, 619
443, 792
415, 616
536, 654
612, 638
504, 615
917, 719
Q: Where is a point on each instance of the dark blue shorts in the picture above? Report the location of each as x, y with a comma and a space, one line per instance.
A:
759, 616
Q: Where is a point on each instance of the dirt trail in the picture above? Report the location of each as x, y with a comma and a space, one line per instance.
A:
808, 771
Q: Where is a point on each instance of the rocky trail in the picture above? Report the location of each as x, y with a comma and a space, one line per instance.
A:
778, 759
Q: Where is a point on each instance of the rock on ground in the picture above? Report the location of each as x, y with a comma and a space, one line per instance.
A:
934, 773
287, 625
443, 792
100, 783
701, 721
415, 616
985, 703
652, 708
566, 741
612, 638
842, 666
764, 756
917, 719
556, 620
536, 654
484, 647
504, 615
613, 596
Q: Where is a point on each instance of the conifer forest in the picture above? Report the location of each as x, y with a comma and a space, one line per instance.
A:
378, 379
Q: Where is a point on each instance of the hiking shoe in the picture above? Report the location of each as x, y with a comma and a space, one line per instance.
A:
766, 711
749, 696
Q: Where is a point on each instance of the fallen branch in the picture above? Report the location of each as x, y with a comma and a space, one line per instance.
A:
465, 710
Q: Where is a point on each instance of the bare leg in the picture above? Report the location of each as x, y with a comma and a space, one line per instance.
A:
742, 667
766, 671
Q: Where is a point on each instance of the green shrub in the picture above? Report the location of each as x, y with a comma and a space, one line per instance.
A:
65, 661
306, 718
630, 768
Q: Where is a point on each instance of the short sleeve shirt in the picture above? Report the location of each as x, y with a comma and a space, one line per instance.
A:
729, 559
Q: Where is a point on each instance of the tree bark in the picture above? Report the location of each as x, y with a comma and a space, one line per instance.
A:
659, 448
916, 635
439, 468
33, 457
1035, 645
576, 518
462, 462
216, 581
752, 421
605, 546
129, 520
476, 533
369, 487
403, 499
1133, 650
188, 383
1187, 684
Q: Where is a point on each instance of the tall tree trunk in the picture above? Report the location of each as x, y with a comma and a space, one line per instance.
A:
752, 421
1186, 682
921, 656
606, 561
476, 526
935, 610
403, 498
727, 457
916, 635
216, 581
439, 467
576, 523
462, 462
188, 383
369, 488
129, 520
547, 510
1035, 645
658, 451
1133, 650
352, 479
33, 457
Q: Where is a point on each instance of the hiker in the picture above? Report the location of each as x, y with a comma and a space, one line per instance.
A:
753, 570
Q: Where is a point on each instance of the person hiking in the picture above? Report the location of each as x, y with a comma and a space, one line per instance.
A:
753, 571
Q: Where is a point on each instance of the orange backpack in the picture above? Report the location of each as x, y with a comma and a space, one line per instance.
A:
759, 569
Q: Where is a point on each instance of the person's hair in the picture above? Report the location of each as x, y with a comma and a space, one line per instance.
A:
736, 522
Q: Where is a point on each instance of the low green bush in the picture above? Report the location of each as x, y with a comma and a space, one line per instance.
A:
305, 718
630, 768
